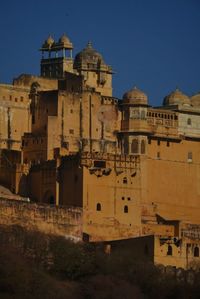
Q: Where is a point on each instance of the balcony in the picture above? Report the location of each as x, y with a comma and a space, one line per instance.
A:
152, 125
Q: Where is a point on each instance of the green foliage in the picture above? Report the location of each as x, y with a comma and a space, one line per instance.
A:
70, 260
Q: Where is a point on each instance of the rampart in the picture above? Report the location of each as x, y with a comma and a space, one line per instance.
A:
60, 221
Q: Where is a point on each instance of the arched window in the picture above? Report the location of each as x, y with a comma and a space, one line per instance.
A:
142, 147
98, 207
125, 209
189, 122
134, 146
125, 181
169, 250
196, 251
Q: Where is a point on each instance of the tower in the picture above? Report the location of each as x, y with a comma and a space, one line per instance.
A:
134, 122
56, 57
96, 73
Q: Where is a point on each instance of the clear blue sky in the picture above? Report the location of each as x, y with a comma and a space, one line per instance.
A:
153, 44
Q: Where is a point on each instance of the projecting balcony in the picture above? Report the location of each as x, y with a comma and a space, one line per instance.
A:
152, 125
136, 125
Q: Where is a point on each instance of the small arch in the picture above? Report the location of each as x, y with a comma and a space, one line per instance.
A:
125, 209
196, 251
98, 207
142, 147
189, 121
169, 250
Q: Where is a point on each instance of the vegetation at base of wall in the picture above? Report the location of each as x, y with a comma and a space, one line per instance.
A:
33, 265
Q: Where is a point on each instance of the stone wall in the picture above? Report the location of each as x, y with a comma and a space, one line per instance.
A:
61, 221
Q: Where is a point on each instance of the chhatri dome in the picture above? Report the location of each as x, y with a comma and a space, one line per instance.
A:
195, 100
48, 42
88, 56
135, 96
176, 98
64, 39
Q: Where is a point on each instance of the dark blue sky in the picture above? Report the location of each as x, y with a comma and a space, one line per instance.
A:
153, 44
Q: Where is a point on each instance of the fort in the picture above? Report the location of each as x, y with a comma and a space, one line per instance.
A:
99, 168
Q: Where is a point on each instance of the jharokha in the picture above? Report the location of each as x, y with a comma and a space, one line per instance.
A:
133, 170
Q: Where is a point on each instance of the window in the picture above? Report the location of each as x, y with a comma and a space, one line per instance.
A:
134, 146
149, 141
98, 207
196, 251
122, 197
125, 181
189, 156
143, 147
125, 209
189, 122
71, 131
100, 164
169, 250
158, 142
168, 144
129, 198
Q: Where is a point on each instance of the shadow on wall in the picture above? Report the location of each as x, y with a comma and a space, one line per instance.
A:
49, 197
23, 190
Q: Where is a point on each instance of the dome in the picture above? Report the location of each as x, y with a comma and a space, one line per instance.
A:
135, 96
88, 56
195, 100
48, 42
176, 98
65, 40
